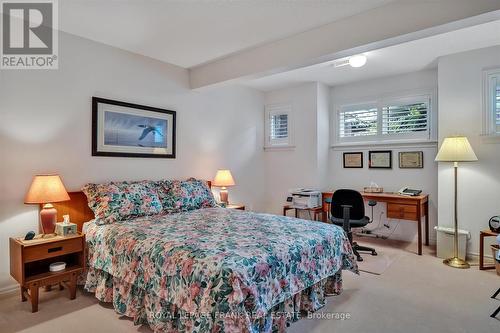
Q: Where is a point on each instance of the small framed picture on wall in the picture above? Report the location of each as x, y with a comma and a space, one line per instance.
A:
380, 159
353, 160
411, 160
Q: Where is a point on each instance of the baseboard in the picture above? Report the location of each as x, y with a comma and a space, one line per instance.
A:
8, 290
475, 254
432, 241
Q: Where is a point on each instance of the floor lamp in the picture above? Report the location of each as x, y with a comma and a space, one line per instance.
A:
456, 149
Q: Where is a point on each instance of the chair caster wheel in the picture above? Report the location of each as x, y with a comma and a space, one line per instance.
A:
374, 253
359, 259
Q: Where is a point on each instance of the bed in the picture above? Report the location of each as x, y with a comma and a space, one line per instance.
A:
215, 269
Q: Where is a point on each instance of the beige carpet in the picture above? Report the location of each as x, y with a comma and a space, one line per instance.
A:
415, 294
378, 264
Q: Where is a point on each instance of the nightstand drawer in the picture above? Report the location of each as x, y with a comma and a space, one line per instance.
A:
53, 249
404, 212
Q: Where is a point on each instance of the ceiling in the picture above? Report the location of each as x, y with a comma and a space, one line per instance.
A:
402, 58
192, 32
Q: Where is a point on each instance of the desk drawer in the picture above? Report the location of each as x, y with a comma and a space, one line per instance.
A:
50, 250
400, 211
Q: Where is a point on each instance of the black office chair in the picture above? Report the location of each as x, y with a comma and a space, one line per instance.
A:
495, 313
348, 211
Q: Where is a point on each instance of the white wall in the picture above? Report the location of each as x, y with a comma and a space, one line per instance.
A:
291, 168
460, 113
391, 180
313, 163
45, 126
323, 134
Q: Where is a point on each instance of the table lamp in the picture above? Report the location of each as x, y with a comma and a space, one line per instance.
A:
46, 189
456, 149
223, 179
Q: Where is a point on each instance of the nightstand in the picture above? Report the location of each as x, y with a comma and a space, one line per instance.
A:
240, 207
30, 260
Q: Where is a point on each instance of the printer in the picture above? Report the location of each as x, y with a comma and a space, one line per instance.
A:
305, 198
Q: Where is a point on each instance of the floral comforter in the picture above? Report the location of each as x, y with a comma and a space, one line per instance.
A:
207, 262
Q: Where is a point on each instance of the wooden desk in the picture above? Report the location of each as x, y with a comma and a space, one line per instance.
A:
482, 234
399, 207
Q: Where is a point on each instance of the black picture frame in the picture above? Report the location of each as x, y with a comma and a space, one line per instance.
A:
96, 128
420, 159
346, 154
373, 164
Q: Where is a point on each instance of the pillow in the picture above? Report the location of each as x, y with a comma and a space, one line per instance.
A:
191, 194
165, 194
113, 202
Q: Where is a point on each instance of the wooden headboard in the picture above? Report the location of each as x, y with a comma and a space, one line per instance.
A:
78, 209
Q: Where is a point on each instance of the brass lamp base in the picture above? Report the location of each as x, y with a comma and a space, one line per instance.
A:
456, 263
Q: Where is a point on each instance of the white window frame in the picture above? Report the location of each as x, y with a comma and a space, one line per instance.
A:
284, 143
491, 78
409, 97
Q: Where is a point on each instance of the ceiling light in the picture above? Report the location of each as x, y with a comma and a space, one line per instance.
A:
357, 60
341, 62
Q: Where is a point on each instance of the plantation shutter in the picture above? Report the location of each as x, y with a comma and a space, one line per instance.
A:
403, 118
497, 106
358, 121
279, 126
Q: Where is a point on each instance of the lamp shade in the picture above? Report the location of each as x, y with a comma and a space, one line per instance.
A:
223, 178
46, 189
456, 149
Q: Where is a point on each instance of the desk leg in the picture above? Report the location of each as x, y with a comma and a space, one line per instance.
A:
296, 213
419, 230
426, 210
481, 251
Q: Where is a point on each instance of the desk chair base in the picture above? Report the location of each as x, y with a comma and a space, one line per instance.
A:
356, 248
495, 313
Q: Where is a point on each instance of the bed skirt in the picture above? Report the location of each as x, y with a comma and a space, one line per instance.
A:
143, 308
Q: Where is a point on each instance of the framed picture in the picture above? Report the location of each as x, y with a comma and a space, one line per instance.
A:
131, 130
353, 160
411, 160
381, 159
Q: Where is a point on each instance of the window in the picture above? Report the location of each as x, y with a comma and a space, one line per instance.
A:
401, 119
492, 102
358, 121
497, 107
278, 126
404, 118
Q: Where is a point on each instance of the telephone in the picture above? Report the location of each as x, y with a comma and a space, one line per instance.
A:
408, 191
